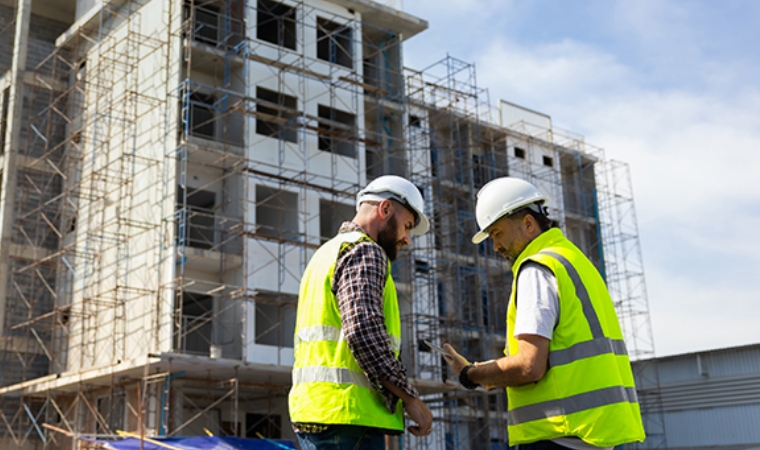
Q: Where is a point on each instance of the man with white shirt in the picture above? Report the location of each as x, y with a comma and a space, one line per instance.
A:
567, 373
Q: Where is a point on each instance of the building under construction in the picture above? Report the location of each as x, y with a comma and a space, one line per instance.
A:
168, 168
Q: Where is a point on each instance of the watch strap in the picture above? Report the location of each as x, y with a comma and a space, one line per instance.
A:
464, 380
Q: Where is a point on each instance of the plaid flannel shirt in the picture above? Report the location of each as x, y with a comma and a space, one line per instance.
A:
358, 284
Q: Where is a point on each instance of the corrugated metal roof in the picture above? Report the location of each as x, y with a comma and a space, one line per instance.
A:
735, 361
709, 399
721, 427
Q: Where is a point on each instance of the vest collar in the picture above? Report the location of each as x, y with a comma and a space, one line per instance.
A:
543, 240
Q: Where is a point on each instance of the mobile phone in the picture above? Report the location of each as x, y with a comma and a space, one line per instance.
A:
435, 348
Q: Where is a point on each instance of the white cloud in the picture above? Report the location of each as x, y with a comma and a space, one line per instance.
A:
651, 23
689, 127
687, 318
691, 156
549, 72
455, 27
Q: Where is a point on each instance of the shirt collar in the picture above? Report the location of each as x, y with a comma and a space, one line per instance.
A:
348, 227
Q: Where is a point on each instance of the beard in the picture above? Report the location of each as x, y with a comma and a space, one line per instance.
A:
387, 238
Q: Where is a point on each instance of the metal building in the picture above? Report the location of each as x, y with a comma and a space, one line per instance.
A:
710, 399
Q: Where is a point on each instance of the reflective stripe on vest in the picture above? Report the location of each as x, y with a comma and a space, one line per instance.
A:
582, 293
573, 404
588, 389
600, 345
329, 387
333, 334
587, 349
338, 375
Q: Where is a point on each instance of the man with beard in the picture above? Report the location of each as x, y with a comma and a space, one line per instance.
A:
348, 381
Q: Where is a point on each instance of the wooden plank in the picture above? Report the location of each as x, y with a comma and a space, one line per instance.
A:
281, 65
366, 86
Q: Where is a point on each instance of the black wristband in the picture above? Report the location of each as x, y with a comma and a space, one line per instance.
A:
464, 381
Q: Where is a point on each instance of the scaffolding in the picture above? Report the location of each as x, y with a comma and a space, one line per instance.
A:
625, 280
79, 225
180, 161
234, 227
461, 289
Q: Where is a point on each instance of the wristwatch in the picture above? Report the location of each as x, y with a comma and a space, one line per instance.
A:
464, 381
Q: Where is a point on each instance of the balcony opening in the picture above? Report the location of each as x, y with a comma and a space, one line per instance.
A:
207, 24
213, 115
283, 111
202, 123
196, 328
337, 132
334, 42
276, 23
198, 227
217, 23
381, 54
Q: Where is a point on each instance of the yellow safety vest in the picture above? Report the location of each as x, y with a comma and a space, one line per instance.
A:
588, 389
329, 387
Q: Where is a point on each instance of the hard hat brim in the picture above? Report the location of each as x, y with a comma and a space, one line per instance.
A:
423, 226
479, 237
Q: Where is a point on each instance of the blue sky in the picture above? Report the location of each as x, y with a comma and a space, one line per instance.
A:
670, 87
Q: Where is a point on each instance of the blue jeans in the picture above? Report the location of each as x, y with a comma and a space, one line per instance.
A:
343, 437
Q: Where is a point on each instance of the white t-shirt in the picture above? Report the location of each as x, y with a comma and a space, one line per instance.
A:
538, 313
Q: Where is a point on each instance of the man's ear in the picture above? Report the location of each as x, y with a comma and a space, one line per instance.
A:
384, 209
530, 224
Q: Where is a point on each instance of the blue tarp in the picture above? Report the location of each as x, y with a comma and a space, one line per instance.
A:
201, 443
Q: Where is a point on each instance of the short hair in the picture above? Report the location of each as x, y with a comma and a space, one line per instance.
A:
376, 198
538, 212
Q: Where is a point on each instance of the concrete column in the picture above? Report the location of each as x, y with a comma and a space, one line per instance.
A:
176, 407
8, 190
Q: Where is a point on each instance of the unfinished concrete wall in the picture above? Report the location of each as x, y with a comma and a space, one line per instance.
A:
126, 180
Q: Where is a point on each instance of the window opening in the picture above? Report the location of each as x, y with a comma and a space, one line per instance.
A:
282, 109
276, 23
337, 132
334, 42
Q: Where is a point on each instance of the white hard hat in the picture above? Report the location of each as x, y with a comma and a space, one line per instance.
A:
401, 190
502, 197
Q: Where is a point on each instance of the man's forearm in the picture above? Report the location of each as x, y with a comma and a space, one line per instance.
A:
505, 371
397, 391
527, 365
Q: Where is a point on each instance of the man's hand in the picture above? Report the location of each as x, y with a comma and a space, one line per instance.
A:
420, 413
527, 365
415, 408
456, 361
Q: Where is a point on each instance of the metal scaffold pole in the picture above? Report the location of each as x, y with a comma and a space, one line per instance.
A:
625, 280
